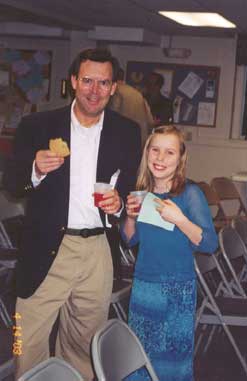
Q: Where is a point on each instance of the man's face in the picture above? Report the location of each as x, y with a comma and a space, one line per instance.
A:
93, 88
151, 84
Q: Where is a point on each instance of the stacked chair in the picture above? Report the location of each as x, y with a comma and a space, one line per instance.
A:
122, 285
10, 233
10, 207
240, 225
219, 217
218, 306
234, 252
224, 201
228, 194
11, 222
117, 352
222, 289
120, 295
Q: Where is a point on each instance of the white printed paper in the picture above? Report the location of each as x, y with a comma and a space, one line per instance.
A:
191, 84
206, 113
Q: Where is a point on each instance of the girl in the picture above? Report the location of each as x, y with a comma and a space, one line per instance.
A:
163, 300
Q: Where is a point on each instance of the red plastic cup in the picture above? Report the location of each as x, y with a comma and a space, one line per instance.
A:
137, 209
99, 190
139, 195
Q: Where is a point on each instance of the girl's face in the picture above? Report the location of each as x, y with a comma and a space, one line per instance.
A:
163, 157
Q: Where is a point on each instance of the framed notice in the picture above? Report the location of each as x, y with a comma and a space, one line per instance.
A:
24, 83
192, 89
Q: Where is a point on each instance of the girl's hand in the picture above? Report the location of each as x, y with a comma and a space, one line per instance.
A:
132, 205
169, 211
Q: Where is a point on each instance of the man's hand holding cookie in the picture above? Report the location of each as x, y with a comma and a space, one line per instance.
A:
49, 160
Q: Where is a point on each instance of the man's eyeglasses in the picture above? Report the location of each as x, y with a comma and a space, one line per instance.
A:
103, 84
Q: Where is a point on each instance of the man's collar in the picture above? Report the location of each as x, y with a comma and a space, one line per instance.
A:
76, 122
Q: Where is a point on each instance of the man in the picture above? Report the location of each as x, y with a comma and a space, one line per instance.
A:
130, 102
65, 263
161, 107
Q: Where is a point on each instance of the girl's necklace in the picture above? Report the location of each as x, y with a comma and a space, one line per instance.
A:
164, 189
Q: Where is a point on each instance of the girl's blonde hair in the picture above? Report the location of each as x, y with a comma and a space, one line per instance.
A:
145, 178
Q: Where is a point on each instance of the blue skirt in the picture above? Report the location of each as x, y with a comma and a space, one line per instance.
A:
162, 315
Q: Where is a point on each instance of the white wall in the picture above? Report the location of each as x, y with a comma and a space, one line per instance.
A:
211, 151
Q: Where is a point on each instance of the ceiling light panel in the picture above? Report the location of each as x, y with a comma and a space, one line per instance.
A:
198, 19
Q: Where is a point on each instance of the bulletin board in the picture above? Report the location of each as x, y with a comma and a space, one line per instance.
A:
192, 89
24, 83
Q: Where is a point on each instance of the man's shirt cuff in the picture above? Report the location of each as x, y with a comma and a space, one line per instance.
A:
34, 178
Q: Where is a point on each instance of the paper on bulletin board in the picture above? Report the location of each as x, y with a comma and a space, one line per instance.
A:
191, 84
206, 113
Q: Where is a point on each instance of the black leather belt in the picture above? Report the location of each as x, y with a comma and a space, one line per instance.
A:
85, 233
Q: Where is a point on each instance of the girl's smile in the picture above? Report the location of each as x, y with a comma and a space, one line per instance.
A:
163, 158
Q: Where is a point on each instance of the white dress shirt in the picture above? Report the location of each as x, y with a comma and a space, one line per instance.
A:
84, 149
83, 165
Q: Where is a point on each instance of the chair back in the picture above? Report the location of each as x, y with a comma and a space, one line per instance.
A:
218, 215
209, 267
53, 369
209, 192
235, 254
205, 262
10, 207
117, 352
227, 191
217, 310
240, 225
231, 243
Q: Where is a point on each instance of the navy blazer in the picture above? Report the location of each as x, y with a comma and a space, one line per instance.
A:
48, 204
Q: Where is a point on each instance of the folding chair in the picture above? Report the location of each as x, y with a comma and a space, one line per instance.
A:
120, 295
219, 310
7, 264
235, 255
9, 241
127, 260
123, 283
10, 207
127, 256
228, 195
222, 286
8, 259
53, 369
218, 215
240, 225
7, 369
117, 352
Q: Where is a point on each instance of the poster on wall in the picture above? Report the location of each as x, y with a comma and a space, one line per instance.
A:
24, 83
192, 89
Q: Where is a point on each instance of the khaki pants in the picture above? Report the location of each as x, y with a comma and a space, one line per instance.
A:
79, 286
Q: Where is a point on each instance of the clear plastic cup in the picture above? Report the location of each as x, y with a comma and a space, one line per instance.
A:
139, 195
99, 190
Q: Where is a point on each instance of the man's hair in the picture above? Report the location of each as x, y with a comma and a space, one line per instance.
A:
96, 55
120, 74
159, 78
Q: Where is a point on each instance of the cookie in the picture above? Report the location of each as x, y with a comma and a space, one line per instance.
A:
59, 147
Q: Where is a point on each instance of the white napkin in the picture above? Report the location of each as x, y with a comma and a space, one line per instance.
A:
150, 215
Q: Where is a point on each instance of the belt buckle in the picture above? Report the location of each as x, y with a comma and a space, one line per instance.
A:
84, 233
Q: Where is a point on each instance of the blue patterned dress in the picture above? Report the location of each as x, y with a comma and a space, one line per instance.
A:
163, 299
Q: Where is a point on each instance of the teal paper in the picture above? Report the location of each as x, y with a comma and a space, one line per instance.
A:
150, 215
